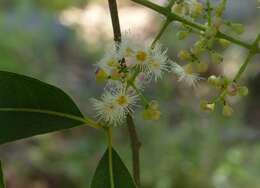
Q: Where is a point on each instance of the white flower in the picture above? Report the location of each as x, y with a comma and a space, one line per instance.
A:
108, 111
126, 99
109, 62
185, 75
114, 105
158, 62
142, 80
139, 59
125, 48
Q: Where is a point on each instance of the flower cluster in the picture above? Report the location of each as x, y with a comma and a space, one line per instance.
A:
127, 68
227, 88
205, 46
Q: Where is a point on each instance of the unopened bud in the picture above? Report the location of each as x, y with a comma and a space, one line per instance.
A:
243, 91
206, 106
213, 80
202, 67
237, 28
101, 75
216, 58
232, 89
224, 43
184, 55
227, 111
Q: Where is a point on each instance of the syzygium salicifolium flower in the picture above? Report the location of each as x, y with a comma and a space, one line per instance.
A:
185, 74
158, 62
114, 104
127, 66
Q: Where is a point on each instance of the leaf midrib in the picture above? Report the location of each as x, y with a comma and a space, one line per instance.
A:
85, 121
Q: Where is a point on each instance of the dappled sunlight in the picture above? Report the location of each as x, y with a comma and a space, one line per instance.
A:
93, 22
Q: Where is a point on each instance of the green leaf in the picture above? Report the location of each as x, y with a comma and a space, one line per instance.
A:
1, 177
122, 177
30, 107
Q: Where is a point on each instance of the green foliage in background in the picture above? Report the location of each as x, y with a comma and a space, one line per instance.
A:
1, 177
191, 152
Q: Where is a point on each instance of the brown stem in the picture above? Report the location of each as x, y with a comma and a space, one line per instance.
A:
136, 145
115, 20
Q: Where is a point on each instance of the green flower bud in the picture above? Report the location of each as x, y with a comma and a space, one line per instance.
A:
224, 82
224, 43
237, 28
196, 9
184, 55
188, 68
202, 67
150, 114
199, 47
232, 89
101, 75
227, 111
216, 58
213, 80
206, 106
180, 8
243, 91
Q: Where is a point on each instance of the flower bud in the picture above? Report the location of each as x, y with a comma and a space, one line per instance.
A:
188, 68
213, 80
227, 111
206, 106
224, 43
216, 58
101, 75
199, 47
184, 55
224, 81
243, 91
202, 67
232, 89
179, 8
150, 114
196, 9
237, 28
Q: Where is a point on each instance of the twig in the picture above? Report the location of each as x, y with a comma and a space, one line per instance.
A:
135, 143
115, 20
174, 17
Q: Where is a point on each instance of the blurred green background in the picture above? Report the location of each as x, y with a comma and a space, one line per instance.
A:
58, 41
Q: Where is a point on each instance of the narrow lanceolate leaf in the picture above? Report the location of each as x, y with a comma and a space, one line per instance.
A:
30, 107
122, 177
1, 177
